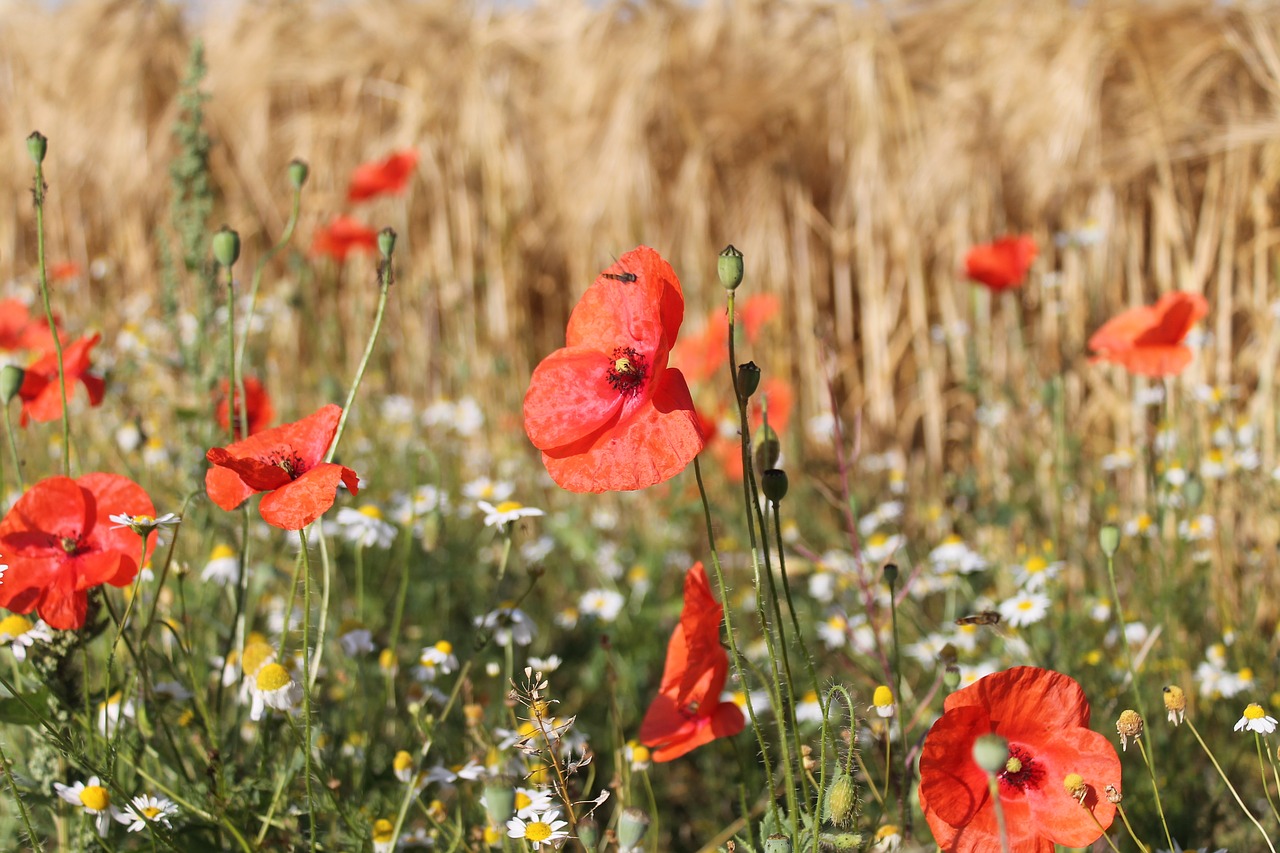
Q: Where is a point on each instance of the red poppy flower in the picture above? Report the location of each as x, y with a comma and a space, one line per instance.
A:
606, 411
258, 412
687, 711
19, 330
342, 236
387, 176
1003, 264
59, 542
1147, 340
41, 393
287, 461
1044, 716
64, 271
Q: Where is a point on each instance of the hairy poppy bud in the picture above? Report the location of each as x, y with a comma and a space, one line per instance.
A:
729, 268
841, 841
748, 379
774, 484
387, 242
299, 171
11, 377
841, 804
226, 247
37, 145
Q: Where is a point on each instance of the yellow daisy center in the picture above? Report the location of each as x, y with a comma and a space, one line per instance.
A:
256, 655
1036, 565
877, 540
444, 647
1254, 712
522, 800
537, 831
15, 625
640, 754
383, 829
221, 552
95, 797
150, 812
883, 697
1026, 604
371, 511
273, 676
887, 831
403, 761
508, 506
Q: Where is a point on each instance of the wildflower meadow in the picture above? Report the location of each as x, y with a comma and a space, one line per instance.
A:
639, 427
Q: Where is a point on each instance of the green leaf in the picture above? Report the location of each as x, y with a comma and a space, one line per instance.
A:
25, 708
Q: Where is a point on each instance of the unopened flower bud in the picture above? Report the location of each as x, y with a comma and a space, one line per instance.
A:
299, 171
841, 804
1109, 539
777, 843
499, 800
774, 484
11, 377
729, 268
748, 380
991, 752
632, 826
589, 833
841, 842
890, 574
1193, 491
951, 676
226, 247
387, 242
37, 146
768, 449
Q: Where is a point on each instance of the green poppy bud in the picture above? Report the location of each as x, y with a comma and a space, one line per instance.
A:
991, 752
777, 843
1109, 539
37, 146
768, 449
840, 806
729, 268
11, 377
890, 574
588, 833
226, 247
632, 826
299, 171
387, 242
841, 841
499, 800
773, 482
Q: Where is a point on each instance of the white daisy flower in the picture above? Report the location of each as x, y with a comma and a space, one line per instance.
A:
1036, 572
546, 828
384, 835
223, 567
834, 631
436, 660
93, 798
145, 809
355, 639
603, 604
111, 709
545, 665
508, 624
506, 512
1023, 609
1256, 720
365, 527
143, 524
808, 708
19, 634
273, 687
484, 489
879, 547
531, 802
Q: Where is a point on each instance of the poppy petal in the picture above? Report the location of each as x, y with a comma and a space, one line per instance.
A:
297, 504
63, 608
619, 314
257, 475
569, 397
1057, 815
657, 443
1029, 699
225, 488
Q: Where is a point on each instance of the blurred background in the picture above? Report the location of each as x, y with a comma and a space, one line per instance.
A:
852, 152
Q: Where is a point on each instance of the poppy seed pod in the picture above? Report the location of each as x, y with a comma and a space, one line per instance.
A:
387, 242
773, 482
1109, 539
226, 247
37, 146
768, 449
499, 800
299, 171
631, 828
729, 267
991, 752
748, 380
777, 843
11, 377
588, 833
890, 571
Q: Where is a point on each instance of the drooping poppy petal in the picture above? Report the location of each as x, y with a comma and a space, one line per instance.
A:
1148, 340
287, 461
41, 391
1043, 715
605, 410
342, 236
1002, 264
687, 712
388, 176
59, 543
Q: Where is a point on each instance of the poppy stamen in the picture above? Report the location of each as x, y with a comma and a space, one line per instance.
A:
1021, 771
628, 372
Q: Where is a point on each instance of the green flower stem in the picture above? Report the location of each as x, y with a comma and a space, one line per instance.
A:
1125, 817
1230, 787
385, 279
326, 576
13, 450
1262, 768
993, 786
306, 688
728, 628
233, 393
904, 813
37, 195
32, 838
1137, 691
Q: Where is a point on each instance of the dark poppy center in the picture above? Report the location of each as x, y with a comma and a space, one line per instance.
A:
70, 544
1021, 771
290, 461
628, 372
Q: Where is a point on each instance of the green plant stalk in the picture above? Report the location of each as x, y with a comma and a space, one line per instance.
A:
13, 449
904, 814
1230, 787
1262, 768
235, 641
1142, 848
728, 627
780, 684
1137, 693
791, 606
17, 801
234, 412
402, 593
128, 609
37, 194
306, 688
325, 586
993, 786
384, 281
